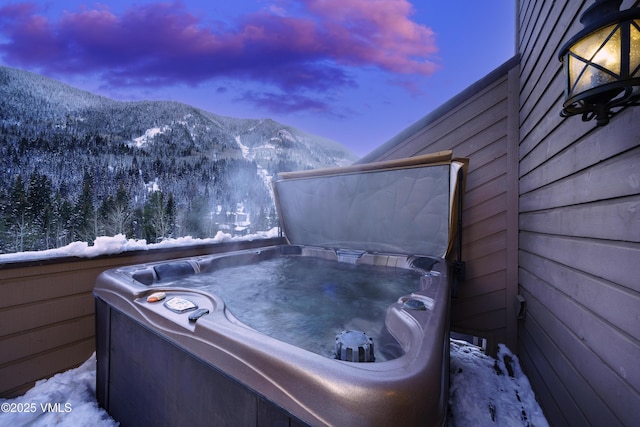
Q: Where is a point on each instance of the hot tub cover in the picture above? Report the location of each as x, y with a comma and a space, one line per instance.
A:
407, 206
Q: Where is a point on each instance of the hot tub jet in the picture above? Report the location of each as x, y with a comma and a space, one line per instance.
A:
354, 346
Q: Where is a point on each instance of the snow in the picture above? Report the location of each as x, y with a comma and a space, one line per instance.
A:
243, 148
75, 393
487, 391
149, 134
152, 186
109, 245
483, 392
266, 147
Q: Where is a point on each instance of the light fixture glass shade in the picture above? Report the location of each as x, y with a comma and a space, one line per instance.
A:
594, 60
602, 63
634, 51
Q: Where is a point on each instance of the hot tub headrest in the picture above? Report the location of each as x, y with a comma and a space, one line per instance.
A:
173, 270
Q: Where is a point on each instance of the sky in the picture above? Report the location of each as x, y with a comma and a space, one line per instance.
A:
355, 71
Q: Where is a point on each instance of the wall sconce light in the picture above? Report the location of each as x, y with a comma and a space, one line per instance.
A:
602, 62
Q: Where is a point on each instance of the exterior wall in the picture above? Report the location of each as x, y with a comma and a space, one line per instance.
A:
47, 311
579, 250
476, 124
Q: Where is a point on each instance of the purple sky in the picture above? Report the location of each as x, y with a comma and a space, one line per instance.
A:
356, 71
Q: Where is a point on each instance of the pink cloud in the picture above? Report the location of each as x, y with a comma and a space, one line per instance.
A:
378, 32
29, 34
312, 47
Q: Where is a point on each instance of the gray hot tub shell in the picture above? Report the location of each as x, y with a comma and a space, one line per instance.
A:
155, 367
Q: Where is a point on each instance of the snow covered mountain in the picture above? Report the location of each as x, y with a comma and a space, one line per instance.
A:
84, 155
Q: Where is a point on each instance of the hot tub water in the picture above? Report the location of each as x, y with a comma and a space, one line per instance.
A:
307, 301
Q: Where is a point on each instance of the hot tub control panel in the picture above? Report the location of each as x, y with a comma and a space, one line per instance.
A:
183, 308
180, 305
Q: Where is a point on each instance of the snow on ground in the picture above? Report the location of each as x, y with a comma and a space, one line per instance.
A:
484, 392
66, 399
487, 391
149, 134
244, 148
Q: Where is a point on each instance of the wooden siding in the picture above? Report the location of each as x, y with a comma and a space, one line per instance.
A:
476, 124
579, 250
47, 311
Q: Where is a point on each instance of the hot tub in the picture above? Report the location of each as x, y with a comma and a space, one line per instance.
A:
182, 342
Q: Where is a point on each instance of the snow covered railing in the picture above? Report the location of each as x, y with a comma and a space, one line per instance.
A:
110, 245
